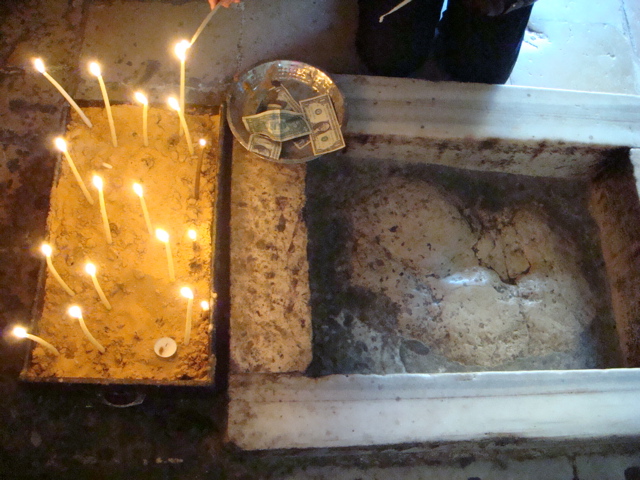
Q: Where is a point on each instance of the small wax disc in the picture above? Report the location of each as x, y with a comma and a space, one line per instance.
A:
165, 347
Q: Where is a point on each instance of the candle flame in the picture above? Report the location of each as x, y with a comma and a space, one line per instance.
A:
38, 64
94, 68
60, 144
162, 235
205, 305
140, 97
97, 182
137, 188
192, 234
186, 292
20, 332
173, 103
75, 312
90, 268
202, 142
46, 249
181, 49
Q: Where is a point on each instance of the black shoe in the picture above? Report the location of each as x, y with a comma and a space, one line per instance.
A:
399, 45
477, 48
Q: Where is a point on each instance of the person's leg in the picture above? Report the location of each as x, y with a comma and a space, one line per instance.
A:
477, 48
400, 44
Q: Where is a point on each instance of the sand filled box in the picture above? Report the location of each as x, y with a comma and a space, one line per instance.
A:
133, 271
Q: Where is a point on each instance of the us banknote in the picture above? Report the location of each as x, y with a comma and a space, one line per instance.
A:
278, 125
325, 130
264, 146
281, 96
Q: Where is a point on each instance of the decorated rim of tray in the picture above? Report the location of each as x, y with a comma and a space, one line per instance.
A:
249, 92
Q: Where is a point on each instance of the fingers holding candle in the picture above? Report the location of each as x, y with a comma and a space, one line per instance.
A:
95, 70
90, 268
61, 145
39, 66
47, 251
76, 313
21, 332
173, 103
99, 184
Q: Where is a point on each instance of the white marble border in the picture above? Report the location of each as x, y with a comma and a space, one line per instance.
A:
293, 412
290, 412
420, 109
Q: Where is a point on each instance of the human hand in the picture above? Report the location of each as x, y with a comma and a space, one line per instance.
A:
224, 3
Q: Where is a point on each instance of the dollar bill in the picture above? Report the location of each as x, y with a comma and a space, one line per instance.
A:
281, 96
325, 130
278, 125
265, 147
301, 142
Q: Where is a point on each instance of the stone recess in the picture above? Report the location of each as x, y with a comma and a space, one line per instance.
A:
270, 312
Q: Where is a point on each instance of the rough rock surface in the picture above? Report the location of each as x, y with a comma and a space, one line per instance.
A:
467, 274
270, 313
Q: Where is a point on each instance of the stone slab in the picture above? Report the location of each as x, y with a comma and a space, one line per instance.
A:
294, 412
270, 311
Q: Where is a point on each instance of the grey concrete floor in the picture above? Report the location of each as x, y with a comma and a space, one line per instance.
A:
51, 432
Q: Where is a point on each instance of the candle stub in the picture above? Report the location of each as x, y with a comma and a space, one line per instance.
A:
165, 347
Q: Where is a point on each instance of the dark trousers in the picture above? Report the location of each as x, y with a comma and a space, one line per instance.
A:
469, 47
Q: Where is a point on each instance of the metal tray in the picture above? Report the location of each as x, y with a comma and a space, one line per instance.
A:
302, 80
219, 284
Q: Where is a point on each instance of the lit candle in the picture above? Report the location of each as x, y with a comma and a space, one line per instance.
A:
204, 24
94, 68
76, 312
204, 305
181, 52
196, 190
163, 236
188, 294
62, 146
39, 64
191, 233
20, 332
90, 268
97, 182
173, 103
46, 249
140, 97
138, 189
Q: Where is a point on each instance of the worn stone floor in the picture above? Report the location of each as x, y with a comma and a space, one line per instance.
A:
59, 431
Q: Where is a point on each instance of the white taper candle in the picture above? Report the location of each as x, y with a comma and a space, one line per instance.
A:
20, 332
173, 103
62, 146
76, 312
90, 268
94, 68
39, 65
187, 293
99, 184
47, 250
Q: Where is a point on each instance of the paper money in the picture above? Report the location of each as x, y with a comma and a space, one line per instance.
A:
281, 96
278, 125
265, 147
325, 135
301, 142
